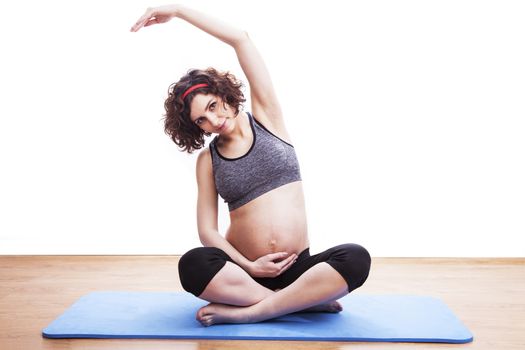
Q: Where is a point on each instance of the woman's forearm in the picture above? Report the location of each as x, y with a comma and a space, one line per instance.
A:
211, 25
215, 239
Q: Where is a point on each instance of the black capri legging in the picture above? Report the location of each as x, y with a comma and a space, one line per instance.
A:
198, 266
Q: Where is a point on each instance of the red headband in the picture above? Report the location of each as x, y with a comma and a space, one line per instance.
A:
190, 89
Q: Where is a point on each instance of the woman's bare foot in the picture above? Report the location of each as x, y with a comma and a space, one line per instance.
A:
333, 307
220, 313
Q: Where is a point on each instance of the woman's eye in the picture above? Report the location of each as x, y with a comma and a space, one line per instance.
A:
212, 106
198, 121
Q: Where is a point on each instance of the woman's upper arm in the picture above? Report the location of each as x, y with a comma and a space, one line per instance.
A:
265, 104
207, 207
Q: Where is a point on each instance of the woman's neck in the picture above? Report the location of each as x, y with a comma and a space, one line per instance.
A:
241, 130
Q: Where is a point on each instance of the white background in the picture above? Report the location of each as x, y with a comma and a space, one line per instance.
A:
407, 117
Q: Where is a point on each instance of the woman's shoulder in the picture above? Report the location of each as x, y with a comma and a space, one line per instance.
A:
204, 160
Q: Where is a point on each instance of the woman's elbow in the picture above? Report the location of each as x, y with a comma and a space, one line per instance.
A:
207, 237
242, 38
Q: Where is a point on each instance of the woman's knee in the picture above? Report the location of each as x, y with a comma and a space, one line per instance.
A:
354, 263
198, 266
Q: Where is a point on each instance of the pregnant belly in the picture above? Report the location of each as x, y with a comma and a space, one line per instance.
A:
273, 222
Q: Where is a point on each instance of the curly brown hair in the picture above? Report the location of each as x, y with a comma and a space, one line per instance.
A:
177, 122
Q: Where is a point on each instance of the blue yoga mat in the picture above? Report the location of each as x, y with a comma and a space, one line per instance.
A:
387, 318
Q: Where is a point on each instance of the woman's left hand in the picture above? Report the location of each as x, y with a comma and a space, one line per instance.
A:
271, 265
155, 15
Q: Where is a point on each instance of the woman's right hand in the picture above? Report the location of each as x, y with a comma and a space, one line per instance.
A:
272, 265
155, 15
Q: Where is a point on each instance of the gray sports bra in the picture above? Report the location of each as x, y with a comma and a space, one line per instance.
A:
269, 163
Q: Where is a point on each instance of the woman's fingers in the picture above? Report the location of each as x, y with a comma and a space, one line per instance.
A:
286, 263
137, 26
142, 20
273, 264
276, 256
157, 15
151, 21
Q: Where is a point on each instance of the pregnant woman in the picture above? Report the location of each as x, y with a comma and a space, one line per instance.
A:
262, 267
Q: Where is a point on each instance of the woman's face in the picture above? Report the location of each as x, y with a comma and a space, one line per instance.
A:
210, 114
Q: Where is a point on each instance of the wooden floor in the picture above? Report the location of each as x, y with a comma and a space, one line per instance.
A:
488, 295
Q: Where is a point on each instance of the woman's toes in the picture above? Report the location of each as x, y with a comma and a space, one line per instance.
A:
337, 306
206, 321
203, 311
220, 313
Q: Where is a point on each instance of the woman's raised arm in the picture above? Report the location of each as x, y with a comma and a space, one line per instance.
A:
213, 26
265, 104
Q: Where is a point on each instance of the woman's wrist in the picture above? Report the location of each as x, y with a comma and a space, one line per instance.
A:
176, 9
247, 266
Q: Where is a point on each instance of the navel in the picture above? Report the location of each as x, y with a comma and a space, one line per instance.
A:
272, 244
